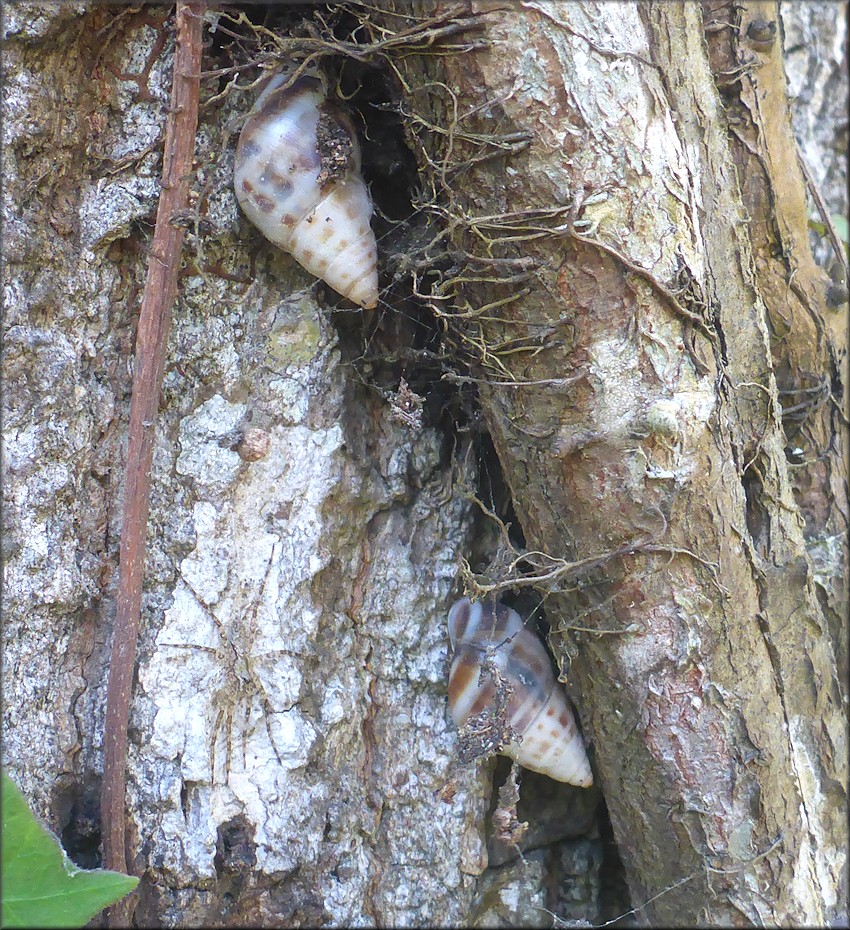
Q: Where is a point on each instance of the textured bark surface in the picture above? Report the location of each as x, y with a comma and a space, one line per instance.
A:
808, 332
289, 742
290, 757
712, 698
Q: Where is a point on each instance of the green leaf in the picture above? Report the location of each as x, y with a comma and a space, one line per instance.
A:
841, 227
41, 886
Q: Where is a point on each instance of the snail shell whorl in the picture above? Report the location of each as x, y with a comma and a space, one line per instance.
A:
297, 177
537, 710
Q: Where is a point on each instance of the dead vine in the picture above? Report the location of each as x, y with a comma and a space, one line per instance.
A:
152, 332
513, 568
318, 41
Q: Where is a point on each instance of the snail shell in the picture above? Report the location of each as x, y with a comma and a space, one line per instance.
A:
297, 177
537, 710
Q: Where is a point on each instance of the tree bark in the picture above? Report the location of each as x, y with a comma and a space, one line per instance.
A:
703, 657
641, 361
290, 756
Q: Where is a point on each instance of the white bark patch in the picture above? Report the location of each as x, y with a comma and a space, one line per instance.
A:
108, 210
812, 891
204, 456
614, 362
226, 677
232, 726
293, 399
634, 154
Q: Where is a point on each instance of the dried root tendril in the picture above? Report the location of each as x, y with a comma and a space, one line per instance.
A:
489, 732
508, 829
512, 568
406, 407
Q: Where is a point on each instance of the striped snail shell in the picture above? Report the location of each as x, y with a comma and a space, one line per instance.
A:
537, 709
297, 177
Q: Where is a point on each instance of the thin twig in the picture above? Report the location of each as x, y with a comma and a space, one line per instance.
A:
651, 279
610, 53
560, 922
835, 240
154, 320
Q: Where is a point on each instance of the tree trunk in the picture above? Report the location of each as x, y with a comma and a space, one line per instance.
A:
604, 291
634, 390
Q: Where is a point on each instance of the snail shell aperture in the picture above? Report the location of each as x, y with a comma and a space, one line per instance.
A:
297, 177
537, 709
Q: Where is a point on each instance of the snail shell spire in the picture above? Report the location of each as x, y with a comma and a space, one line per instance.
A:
297, 178
537, 710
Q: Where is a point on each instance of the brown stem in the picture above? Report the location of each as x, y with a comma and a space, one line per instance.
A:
834, 239
154, 320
